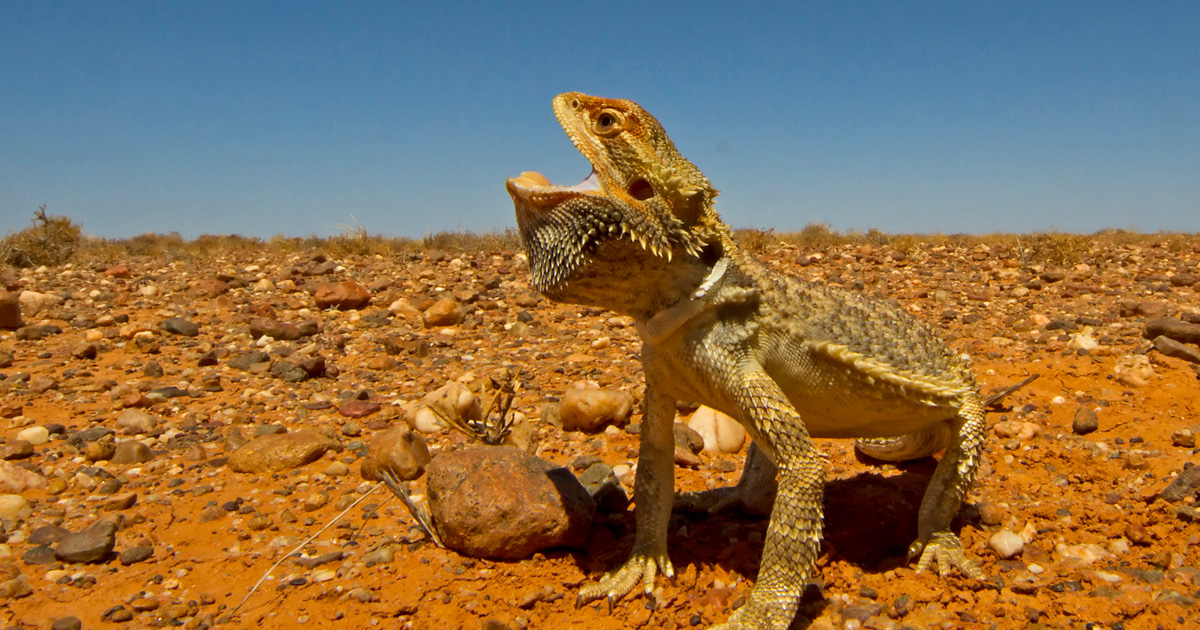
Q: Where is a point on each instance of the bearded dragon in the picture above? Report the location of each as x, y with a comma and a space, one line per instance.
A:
790, 360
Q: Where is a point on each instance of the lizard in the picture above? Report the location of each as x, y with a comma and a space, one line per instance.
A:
790, 360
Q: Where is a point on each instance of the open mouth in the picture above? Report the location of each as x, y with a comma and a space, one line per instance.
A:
533, 186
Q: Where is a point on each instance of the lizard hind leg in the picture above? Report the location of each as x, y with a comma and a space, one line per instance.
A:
955, 473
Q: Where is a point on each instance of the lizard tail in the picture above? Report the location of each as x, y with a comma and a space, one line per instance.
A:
913, 445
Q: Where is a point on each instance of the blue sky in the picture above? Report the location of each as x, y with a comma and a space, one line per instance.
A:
404, 118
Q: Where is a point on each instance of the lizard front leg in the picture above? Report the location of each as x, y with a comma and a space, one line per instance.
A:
935, 543
653, 490
793, 537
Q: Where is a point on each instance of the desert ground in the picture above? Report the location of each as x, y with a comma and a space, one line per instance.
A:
1066, 518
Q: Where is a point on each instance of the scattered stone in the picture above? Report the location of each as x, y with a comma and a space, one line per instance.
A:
721, 433
444, 312
93, 544
289, 372
1085, 420
16, 588
247, 361
85, 351
136, 421
1006, 544
134, 555
132, 452
179, 326
34, 304
453, 400
1133, 370
276, 453
343, 296
1184, 438
399, 451
35, 435
500, 502
604, 487
10, 311
359, 408
15, 479
16, 449
1185, 485
1171, 348
266, 327
1172, 328
591, 409
13, 507
1023, 431
47, 535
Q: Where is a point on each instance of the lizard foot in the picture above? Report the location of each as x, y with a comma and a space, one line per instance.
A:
640, 567
758, 616
945, 549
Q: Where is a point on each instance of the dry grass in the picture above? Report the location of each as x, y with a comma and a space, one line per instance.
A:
51, 240
54, 240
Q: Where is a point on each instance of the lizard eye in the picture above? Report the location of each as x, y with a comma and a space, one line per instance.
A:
641, 190
608, 123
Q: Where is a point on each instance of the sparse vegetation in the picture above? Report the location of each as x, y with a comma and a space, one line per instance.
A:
51, 240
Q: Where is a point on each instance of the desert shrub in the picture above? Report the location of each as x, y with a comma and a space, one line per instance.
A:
51, 240
461, 242
755, 241
1056, 248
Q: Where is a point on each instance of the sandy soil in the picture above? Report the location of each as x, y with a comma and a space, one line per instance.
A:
1102, 553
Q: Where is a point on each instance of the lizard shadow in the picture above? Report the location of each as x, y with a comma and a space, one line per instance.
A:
870, 519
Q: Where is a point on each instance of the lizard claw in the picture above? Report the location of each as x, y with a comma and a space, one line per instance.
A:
640, 567
946, 550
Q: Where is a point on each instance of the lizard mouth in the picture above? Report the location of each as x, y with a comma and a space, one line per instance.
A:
533, 188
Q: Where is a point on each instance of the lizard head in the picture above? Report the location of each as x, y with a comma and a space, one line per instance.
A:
644, 208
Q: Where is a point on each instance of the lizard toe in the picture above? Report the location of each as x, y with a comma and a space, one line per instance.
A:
945, 549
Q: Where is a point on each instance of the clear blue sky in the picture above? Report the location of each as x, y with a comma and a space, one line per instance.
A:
300, 118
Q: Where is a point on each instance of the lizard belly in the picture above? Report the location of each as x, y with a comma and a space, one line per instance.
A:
837, 401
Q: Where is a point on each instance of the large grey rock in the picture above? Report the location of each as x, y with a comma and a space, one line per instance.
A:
499, 502
180, 326
93, 544
1171, 348
1173, 328
284, 451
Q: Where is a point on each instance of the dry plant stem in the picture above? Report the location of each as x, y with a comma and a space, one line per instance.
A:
367, 517
1005, 393
299, 547
423, 518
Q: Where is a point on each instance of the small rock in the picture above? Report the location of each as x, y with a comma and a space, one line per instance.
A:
100, 450
1171, 348
497, 501
343, 296
267, 327
1184, 438
134, 555
444, 312
1023, 431
604, 487
66, 623
35, 435
721, 433
13, 507
34, 303
453, 400
16, 449
16, 588
686, 458
276, 453
248, 360
590, 410
47, 535
1006, 544
179, 326
10, 311
15, 480
399, 451
1133, 370
136, 421
359, 408
1185, 485
289, 372
1085, 421
1173, 328
383, 554
93, 544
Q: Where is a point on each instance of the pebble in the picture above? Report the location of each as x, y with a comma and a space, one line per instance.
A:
591, 410
1133, 370
444, 312
1183, 438
93, 544
400, 451
1006, 544
343, 296
131, 452
15, 479
13, 507
35, 435
66, 623
1172, 348
721, 433
179, 326
275, 453
453, 400
134, 555
10, 311
1085, 421
136, 421
499, 502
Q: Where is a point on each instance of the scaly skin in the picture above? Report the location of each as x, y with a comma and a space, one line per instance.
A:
789, 360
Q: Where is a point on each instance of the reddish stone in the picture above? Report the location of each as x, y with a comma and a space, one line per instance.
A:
359, 408
342, 296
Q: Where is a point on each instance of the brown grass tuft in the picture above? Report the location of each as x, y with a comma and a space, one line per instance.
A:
51, 240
